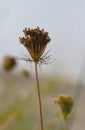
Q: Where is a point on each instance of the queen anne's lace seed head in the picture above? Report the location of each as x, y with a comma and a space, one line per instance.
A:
35, 41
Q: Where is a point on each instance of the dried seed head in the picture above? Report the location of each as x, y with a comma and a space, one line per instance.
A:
66, 103
35, 41
8, 63
25, 73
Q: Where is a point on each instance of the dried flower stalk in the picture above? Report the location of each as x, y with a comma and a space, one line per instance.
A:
35, 41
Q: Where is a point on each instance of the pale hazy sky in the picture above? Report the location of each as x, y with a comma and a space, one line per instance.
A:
63, 19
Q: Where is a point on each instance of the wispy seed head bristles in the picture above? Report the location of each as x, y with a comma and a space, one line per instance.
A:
35, 41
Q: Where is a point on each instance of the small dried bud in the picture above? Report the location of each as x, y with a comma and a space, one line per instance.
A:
35, 41
25, 73
66, 103
8, 63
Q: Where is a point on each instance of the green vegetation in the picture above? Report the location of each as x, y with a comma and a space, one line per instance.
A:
18, 104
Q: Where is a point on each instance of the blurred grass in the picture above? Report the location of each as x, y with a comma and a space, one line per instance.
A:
19, 104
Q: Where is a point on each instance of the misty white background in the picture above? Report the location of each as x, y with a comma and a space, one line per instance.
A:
63, 19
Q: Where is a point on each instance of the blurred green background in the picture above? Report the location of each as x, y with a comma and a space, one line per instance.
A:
19, 102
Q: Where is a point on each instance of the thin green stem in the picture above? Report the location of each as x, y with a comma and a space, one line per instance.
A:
39, 97
65, 125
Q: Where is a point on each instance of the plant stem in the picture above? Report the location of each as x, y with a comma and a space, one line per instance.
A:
39, 97
65, 125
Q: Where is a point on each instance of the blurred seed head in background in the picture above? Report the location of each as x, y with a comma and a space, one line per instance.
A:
8, 63
66, 103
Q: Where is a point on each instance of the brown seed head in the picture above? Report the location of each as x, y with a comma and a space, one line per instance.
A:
25, 73
8, 63
35, 41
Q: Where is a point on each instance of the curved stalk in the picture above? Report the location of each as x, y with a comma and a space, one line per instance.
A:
39, 97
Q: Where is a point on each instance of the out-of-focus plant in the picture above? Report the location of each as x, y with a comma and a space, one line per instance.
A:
8, 63
65, 103
25, 73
